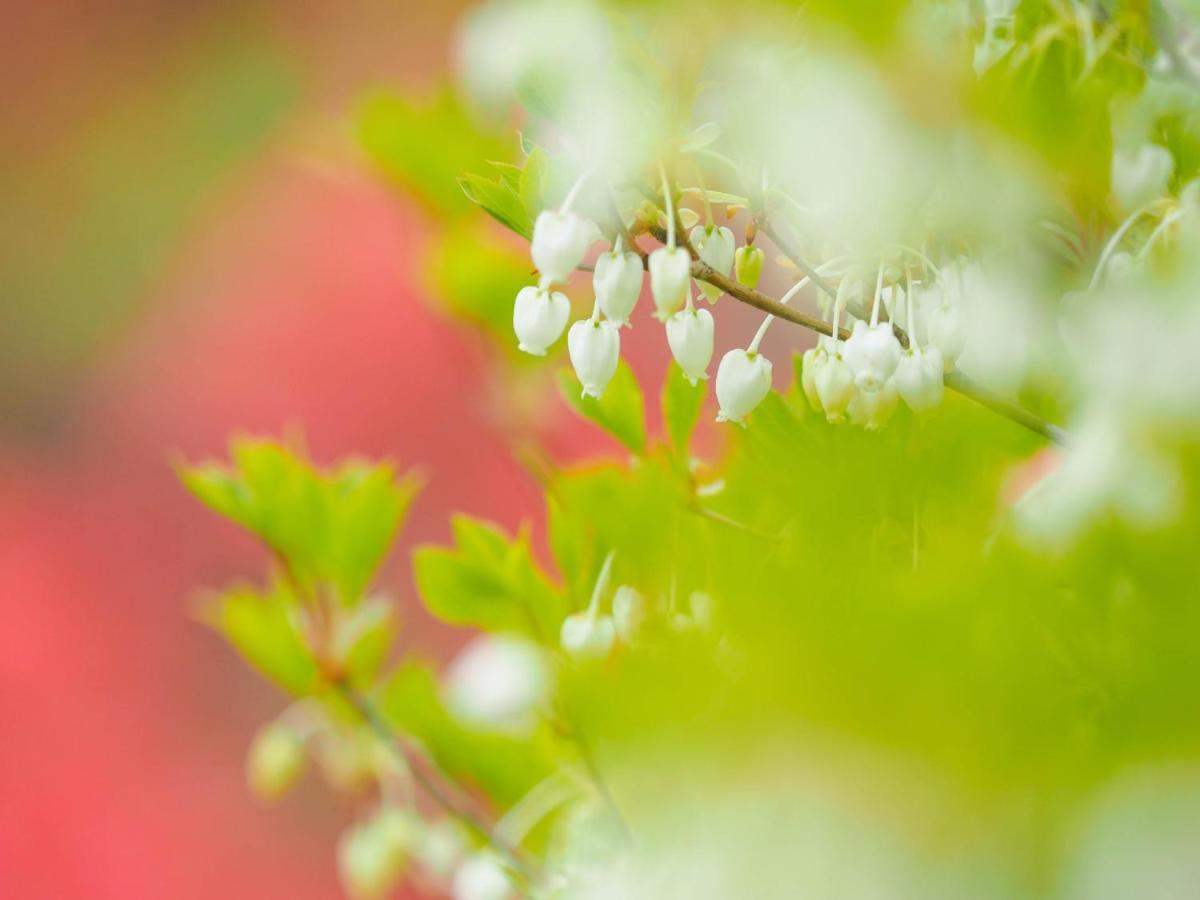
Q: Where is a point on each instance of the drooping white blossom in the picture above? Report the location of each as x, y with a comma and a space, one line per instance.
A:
560, 239
629, 612
496, 683
617, 281
716, 246
919, 378
595, 349
670, 275
539, 317
743, 380
587, 635
748, 263
872, 353
690, 337
835, 386
481, 876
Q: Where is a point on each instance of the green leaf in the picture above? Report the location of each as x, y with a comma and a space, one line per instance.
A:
263, 629
424, 145
532, 185
500, 201
488, 580
681, 405
477, 277
506, 768
620, 411
332, 528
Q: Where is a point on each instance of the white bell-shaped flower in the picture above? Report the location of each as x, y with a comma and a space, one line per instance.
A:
481, 876
595, 348
496, 683
617, 281
539, 317
743, 380
1140, 174
690, 337
835, 386
370, 860
811, 362
947, 332
716, 245
587, 635
872, 353
629, 612
560, 239
748, 264
670, 274
872, 409
918, 378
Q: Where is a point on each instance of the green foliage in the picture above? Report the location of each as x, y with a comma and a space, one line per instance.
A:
478, 277
620, 412
331, 529
264, 629
489, 581
681, 405
504, 768
423, 146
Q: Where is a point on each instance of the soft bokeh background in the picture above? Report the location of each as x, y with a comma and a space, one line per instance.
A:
192, 245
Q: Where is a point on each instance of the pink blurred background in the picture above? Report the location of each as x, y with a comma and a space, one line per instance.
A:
191, 247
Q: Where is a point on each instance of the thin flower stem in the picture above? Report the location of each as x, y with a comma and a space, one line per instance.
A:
1159, 230
572, 194
1115, 240
670, 205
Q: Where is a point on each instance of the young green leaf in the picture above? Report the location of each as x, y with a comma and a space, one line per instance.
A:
263, 629
681, 405
620, 412
499, 200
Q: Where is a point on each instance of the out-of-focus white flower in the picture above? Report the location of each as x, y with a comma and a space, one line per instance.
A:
371, 858
873, 409
811, 362
595, 350
560, 239
748, 264
539, 317
275, 761
617, 281
835, 386
586, 635
481, 876
743, 380
690, 337
872, 352
629, 612
670, 275
496, 683
1140, 174
716, 246
918, 378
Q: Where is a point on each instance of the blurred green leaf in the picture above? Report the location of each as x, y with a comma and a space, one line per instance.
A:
478, 277
263, 629
423, 146
681, 405
620, 411
499, 200
488, 580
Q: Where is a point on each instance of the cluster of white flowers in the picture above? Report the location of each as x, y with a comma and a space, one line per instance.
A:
861, 378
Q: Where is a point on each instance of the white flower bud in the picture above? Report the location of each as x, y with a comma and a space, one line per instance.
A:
496, 683
617, 281
814, 358
872, 353
715, 246
539, 317
595, 348
743, 380
1140, 174
872, 409
947, 332
690, 337
835, 387
481, 877
559, 242
670, 275
748, 264
629, 612
439, 847
918, 378
275, 761
370, 859
585, 635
